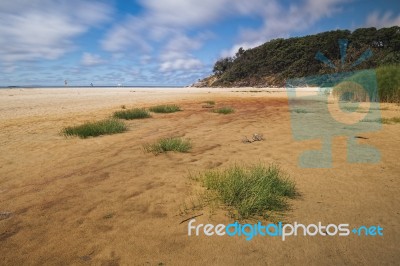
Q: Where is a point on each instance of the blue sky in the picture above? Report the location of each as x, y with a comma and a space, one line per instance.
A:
157, 42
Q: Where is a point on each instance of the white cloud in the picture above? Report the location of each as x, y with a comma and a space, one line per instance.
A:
387, 19
165, 19
181, 63
192, 13
31, 30
128, 35
181, 42
184, 13
176, 54
89, 59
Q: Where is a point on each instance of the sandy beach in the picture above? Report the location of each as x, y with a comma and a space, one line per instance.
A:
104, 201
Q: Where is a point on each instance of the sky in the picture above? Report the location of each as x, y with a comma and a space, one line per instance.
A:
157, 42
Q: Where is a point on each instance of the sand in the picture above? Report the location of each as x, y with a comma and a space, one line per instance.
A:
104, 201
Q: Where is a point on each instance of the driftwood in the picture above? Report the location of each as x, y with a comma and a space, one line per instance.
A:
191, 218
360, 137
255, 137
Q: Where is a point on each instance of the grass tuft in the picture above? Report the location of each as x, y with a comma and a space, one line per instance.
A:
136, 113
393, 120
169, 144
171, 108
224, 110
300, 111
94, 129
250, 191
209, 102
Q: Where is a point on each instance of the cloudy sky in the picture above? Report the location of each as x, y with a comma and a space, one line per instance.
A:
157, 42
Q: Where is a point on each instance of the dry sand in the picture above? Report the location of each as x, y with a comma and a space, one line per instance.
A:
103, 201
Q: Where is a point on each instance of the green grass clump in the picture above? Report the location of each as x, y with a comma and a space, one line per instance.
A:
300, 111
376, 120
210, 102
224, 110
169, 108
169, 144
350, 109
136, 113
94, 129
251, 191
393, 120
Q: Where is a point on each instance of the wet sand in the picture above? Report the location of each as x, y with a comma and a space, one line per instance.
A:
104, 201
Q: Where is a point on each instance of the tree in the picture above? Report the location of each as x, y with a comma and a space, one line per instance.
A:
222, 65
240, 52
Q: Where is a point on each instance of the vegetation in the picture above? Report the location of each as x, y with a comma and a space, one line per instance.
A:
273, 62
389, 83
136, 113
169, 144
210, 102
165, 108
300, 111
94, 129
250, 191
393, 120
224, 110
383, 84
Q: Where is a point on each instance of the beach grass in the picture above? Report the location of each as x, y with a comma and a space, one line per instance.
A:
300, 111
376, 120
350, 109
209, 102
94, 129
250, 190
169, 144
136, 113
393, 120
166, 108
224, 110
